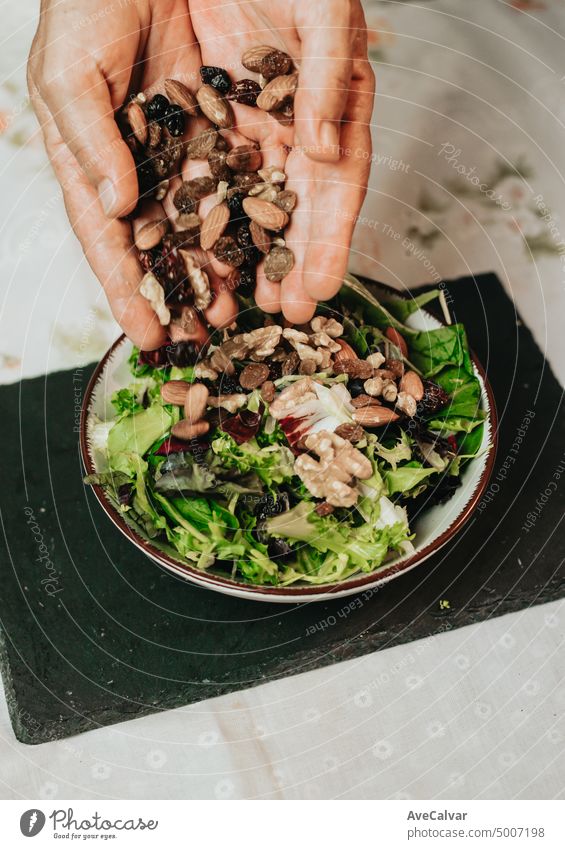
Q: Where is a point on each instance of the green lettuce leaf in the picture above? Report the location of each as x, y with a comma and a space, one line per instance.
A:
136, 434
407, 478
433, 350
402, 308
273, 464
397, 453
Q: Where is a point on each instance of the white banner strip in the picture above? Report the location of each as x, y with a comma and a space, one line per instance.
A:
257, 825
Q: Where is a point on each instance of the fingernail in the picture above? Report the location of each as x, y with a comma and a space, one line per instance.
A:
107, 195
329, 136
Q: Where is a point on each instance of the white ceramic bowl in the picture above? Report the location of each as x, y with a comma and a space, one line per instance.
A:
433, 528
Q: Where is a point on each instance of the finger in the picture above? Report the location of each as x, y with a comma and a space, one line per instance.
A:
107, 243
267, 294
328, 40
342, 193
224, 308
79, 100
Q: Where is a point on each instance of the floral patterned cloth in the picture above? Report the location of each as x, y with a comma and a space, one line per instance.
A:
467, 177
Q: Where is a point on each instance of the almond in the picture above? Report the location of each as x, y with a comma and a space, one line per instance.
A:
179, 94
195, 402
214, 107
150, 234
185, 430
214, 225
253, 57
364, 401
397, 339
137, 121
346, 353
174, 392
265, 213
374, 416
260, 237
412, 384
278, 92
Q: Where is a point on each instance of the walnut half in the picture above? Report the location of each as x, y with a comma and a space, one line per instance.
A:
334, 476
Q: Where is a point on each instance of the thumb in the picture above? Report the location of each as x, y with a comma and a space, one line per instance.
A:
324, 80
80, 104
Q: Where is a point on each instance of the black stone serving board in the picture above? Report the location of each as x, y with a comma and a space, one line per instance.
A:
93, 633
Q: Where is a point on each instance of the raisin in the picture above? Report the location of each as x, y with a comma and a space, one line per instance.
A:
279, 549
271, 505
275, 64
275, 371
246, 285
235, 204
252, 255
253, 375
175, 121
243, 235
227, 250
182, 354
146, 177
355, 388
218, 167
184, 200
216, 77
245, 91
157, 108
227, 385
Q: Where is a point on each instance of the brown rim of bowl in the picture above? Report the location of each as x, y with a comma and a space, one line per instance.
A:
217, 581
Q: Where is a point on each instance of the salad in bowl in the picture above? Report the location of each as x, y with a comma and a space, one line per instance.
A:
295, 463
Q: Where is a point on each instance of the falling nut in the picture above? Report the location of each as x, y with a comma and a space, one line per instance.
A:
260, 237
174, 392
185, 430
244, 157
411, 383
179, 94
214, 225
397, 339
374, 416
150, 234
346, 353
195, 402
277, 92
214, 107
137, 121
265, 213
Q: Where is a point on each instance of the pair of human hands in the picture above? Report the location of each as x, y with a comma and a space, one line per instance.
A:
88, 55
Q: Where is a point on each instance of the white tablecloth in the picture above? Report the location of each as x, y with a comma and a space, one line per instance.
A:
468, 177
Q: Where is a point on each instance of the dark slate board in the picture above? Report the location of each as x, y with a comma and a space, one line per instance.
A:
94, 633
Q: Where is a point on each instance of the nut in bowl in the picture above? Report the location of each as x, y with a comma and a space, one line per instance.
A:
295, 464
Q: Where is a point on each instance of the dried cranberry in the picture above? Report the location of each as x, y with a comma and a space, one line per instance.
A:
434, 399
235, 204
175, 121
157, 358
245, 91
216, 77
157, 108
182, 354
246, 284
172, 446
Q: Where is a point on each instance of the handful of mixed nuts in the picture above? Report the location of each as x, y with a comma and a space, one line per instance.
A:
246, 224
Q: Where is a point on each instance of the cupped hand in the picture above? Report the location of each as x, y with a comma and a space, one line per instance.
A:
87, 56
326, 152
